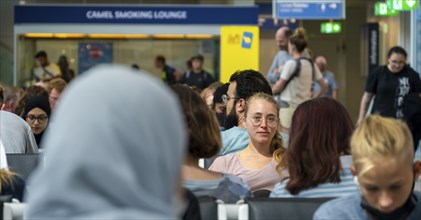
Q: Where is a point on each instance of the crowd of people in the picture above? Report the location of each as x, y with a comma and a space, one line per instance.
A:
116, 153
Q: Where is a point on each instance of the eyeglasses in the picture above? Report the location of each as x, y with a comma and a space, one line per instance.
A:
271, 120
226, 98
396, 62
41, 119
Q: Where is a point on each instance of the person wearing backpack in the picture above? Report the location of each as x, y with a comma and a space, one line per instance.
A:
197, 78
296, 79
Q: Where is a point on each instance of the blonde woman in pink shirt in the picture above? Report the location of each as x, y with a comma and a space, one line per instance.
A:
258, 163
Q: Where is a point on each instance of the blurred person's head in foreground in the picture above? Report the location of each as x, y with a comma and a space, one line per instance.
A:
113, 165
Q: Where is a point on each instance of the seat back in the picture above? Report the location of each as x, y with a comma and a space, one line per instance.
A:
13, 211
22, 164
263, 193
208, 207
283, 208
211, 208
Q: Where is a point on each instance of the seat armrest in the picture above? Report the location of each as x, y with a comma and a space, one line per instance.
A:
243, 212
13, 211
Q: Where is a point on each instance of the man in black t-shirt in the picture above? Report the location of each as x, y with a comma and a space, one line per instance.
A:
197, 78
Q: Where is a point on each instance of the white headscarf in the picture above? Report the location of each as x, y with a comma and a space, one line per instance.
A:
115, 151
3, 159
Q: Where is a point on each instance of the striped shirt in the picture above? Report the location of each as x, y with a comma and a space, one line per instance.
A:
346, 187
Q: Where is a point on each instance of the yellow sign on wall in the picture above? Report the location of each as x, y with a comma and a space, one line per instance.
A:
239, 49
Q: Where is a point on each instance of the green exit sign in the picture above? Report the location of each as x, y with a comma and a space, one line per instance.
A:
381, 9
402, 5
331, 28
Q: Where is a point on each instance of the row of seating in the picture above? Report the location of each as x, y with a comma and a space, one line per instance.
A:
22, 164
261, 208
211, 209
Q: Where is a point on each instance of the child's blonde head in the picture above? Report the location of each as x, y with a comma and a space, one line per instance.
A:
380, 138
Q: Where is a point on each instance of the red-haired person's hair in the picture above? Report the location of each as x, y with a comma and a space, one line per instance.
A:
320, 133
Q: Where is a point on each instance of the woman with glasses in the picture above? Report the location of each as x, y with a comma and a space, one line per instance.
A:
36, 114
261, 163
390, 84
318, 156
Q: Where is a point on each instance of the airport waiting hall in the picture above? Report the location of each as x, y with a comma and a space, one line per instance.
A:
210, 109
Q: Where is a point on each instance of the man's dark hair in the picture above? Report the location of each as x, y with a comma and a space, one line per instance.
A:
398, 50
219, 92
41, 54
250, 82
135, 66
160, 59
198, 57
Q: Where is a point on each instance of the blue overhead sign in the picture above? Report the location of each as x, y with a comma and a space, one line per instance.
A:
89, 14
309, 9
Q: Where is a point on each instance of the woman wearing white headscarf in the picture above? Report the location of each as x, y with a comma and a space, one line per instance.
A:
115, 151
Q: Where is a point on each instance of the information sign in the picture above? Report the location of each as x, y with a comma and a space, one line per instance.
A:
309, 9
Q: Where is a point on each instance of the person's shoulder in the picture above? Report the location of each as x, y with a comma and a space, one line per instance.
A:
411, 71
292, 64
7, 114
330, 74
346, 207
222, 163
279, 190
233, 140
227, 158
12, 118
233, 130
380, 69
207, 73
283, 53
18, 181
15, 187
416, 213
234, 135
169, 68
